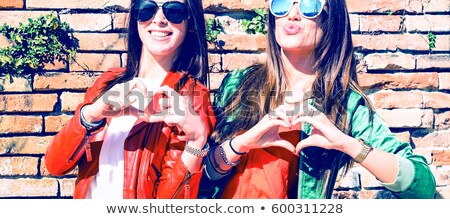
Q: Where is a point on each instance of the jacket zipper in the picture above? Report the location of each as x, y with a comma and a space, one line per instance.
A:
87, 146
187, 187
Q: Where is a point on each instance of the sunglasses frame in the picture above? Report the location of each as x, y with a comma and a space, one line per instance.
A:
160, 5
299, 9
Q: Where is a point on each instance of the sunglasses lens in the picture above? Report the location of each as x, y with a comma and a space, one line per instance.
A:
280, 8
310, 8
175, 12
145, 10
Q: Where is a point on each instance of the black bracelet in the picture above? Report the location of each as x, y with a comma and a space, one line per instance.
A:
236, 152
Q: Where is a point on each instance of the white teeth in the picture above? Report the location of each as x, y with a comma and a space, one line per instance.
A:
159, 34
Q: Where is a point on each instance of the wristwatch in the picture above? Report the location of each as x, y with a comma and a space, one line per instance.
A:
364, 151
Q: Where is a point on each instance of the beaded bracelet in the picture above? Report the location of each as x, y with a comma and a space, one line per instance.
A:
225, 159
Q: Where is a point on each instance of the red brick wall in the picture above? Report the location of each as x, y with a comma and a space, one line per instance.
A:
410, 85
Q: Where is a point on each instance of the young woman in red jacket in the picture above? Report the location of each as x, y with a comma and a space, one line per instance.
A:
141, 130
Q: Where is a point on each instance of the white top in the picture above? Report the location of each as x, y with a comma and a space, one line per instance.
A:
108, 182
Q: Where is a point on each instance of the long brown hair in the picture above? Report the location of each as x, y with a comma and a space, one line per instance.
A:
193, 53
262, 87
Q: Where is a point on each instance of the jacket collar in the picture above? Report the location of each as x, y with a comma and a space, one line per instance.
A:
171, 80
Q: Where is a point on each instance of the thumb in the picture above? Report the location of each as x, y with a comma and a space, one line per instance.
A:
307, 142
284, 144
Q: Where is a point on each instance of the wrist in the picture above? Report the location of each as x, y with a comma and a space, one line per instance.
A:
198, 143
87, 114
239, 145
351, 147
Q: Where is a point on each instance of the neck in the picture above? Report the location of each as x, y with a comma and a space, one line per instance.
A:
152, 66
298, 70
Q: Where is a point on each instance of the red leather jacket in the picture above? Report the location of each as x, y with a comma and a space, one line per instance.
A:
152, 157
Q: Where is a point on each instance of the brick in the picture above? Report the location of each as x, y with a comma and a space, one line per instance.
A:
425, 23
24, 145
380, 23
436, 100
123, 59
368, 180
120, 21
399, 81
77, 4
20, 124
442, 43
433, 139
70, 101
238, 60
345, 194
19, 84
436, 6
88, 22
11, 4
441, 157
214, 5
215, 80
441, 174
18, 166
215, 62
28, 102
230, 25
58, 65
13, 18
403, 136
393, 42
354, 22
28, 187
241, 42
95, 62
433, 61
44, 172
407, 118
399, 99
444, 81
390, 61
442, 120
425, 152
101, 41
67, 187
442, 192
59, 81
56, 123
376, 194
377, 6
4, 42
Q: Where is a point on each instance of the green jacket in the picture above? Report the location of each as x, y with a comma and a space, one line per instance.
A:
318, 174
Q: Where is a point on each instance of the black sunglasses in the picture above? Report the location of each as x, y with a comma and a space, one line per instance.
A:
175, 12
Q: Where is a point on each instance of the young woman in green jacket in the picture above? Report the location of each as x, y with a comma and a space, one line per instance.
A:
286, 127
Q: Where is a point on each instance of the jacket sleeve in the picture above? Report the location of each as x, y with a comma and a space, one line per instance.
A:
71, 142
176, 180
377, 134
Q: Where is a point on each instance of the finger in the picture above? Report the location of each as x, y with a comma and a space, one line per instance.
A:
137, 84
173, 120
275, 122
284, 144
164, 103
314, 122
307, 142
280, 113
183, 137
114, 103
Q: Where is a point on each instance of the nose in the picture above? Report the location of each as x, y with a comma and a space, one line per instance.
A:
159, 17
294, 13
